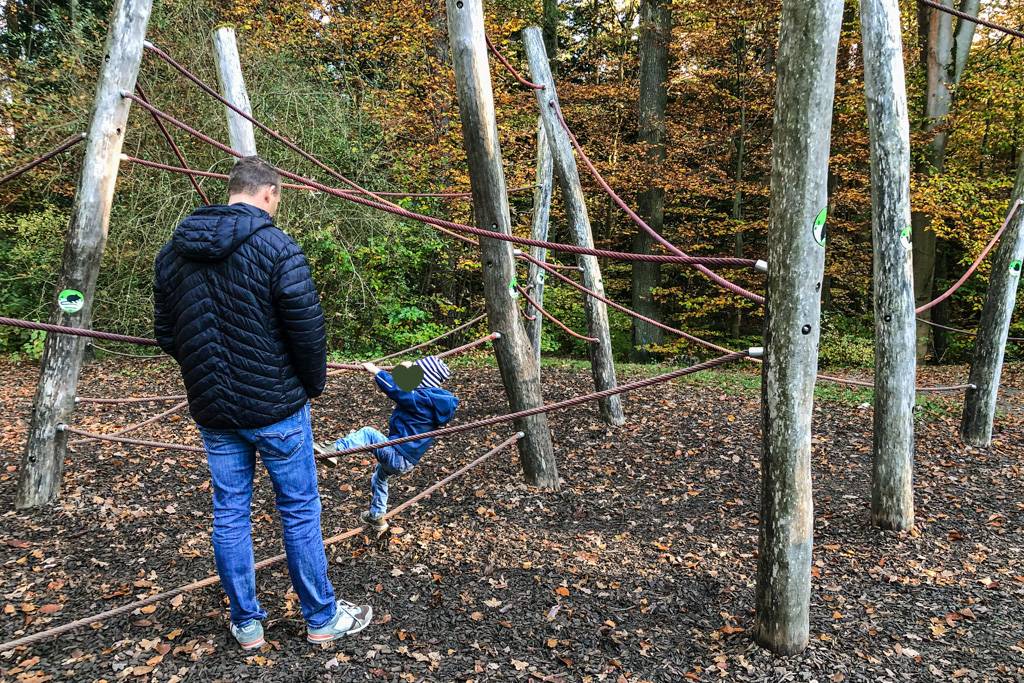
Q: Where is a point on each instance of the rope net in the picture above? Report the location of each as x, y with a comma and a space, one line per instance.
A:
262, 564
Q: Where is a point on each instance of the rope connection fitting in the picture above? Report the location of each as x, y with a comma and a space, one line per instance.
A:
520, 435
497, 335
62, 427
761, 266
755, 352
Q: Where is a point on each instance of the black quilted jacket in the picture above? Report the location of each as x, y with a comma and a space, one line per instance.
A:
236, 306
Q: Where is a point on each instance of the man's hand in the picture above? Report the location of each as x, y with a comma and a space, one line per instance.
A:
371, 368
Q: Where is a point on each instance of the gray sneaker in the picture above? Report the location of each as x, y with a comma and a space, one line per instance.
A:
349, 620
376, 524
249, 636
326, 448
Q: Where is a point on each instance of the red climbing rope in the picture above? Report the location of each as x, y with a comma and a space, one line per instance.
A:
134, 442
703, 342
974, 266
552, 318
76, 331
385, 205
976, 20
451, 352
511, 69
290, 186
262, 564
619, 307
140, 399
65, 145
138, 425
173, 145
396, 210
546, 408
960, 331
436, 339
714, 277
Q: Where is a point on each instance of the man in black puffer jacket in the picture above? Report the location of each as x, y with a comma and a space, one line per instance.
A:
236, 306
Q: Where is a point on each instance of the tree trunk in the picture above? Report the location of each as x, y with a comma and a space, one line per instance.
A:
232, 88
539, 231
739, 146
808, 44
602, 362
550, 22
516, 363
892, 492
944, 56
42, 466
655, 36
990, 342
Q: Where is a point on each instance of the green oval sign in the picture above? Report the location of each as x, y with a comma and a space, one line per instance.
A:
512, 289
818, 229
70, 301
905, 238
1015, 267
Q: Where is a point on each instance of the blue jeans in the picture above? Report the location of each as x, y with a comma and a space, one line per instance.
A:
390, 463
286, 449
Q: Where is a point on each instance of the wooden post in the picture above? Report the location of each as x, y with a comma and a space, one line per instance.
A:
539, 231
990, 342
892, 490
806, 67
232, 88
602, 362
516, 363
42, 465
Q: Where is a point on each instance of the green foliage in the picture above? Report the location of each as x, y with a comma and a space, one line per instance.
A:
30, 251
845, 342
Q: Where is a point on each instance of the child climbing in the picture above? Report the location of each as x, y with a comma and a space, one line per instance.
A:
421, 405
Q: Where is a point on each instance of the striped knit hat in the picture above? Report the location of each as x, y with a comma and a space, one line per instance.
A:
435, 372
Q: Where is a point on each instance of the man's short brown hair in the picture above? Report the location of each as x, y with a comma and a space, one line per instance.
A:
250, 174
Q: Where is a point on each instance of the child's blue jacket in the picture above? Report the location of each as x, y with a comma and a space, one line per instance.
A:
416, 412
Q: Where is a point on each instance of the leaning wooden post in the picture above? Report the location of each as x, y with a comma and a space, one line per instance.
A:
602, 361
892, 472
232, 88
806, 68
539, 231
42, 465
516, 363
990, 342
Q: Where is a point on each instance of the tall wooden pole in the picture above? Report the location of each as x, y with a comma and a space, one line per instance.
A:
42, 466
990, 342
539, 231
892, 491
516, 363
806, 69
232, 88
602, 362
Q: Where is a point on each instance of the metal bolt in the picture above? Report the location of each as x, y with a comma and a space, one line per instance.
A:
806, 329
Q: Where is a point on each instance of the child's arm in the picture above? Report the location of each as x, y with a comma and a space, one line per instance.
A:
386, 383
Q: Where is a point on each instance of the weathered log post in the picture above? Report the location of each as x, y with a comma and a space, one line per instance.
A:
539, 231
232, 88
990, 342
806, 67
519, 370
892, 490
42, 466
602, 361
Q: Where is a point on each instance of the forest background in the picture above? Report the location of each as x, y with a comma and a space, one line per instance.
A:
367, 85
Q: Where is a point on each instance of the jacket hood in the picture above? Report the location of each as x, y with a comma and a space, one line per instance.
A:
212, 233
443, 403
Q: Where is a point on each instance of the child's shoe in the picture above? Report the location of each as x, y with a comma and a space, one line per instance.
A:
376, 524
249, 636
349, 620
326, 448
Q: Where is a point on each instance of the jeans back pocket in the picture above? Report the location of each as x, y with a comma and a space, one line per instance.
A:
281, 441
